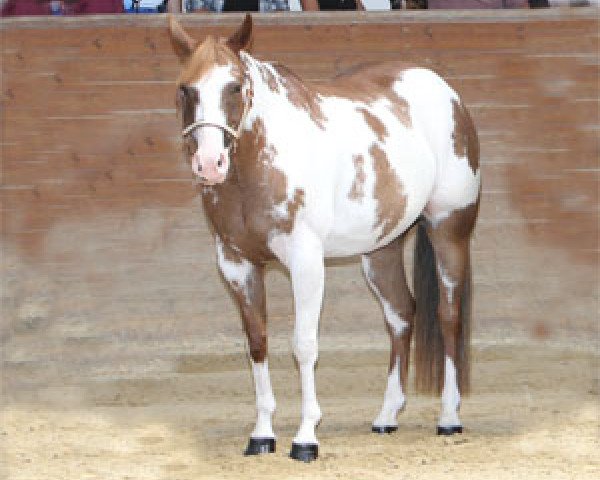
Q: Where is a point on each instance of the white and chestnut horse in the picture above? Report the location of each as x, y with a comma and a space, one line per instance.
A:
298, 172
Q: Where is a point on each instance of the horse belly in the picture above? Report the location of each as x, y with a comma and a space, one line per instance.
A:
353, 233
385, 205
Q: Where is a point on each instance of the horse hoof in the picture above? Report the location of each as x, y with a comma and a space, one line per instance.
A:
258, 446
384, 429
449, 430
304, 452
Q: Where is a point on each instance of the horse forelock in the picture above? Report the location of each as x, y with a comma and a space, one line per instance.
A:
211, 53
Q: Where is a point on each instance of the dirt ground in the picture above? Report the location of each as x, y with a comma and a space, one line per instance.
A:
534, 413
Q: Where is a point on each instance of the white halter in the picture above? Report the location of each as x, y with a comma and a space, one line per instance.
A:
208, 123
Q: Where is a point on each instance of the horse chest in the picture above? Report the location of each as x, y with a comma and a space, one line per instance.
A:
241, 221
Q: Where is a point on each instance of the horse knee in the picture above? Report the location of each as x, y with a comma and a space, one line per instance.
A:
257, 344
448, 312
408, 315
305, 350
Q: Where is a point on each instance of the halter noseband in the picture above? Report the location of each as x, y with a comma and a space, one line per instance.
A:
235, 134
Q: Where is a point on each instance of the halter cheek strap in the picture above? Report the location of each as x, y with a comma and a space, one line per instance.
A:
235, 134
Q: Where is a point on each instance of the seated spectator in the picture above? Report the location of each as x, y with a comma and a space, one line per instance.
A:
313, 5
236, 5
26, 7
200, 6
96, 6
147, 6
60, 7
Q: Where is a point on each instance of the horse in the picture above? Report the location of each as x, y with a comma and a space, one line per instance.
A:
297, 172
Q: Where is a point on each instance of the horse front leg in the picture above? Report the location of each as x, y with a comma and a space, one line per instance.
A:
302, 254
246, 281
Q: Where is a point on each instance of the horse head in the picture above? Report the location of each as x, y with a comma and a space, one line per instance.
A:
213, 96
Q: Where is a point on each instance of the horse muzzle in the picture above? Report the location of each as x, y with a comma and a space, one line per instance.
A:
211, 171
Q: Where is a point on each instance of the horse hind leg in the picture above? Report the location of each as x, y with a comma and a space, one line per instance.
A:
442, 331
384, 271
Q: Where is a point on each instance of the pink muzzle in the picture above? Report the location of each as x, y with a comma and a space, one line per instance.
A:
211, 161
211, 169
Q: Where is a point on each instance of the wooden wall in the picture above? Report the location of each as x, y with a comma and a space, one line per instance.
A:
103, 238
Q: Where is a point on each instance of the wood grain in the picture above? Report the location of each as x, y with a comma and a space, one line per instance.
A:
89, 136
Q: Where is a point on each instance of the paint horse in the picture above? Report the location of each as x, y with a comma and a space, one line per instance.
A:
297, 172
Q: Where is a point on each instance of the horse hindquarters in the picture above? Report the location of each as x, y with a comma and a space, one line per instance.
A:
442, 288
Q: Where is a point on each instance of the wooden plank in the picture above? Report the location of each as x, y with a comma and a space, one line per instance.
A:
90, 139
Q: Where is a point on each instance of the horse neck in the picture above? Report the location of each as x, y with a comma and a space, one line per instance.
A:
273, 88
276, 94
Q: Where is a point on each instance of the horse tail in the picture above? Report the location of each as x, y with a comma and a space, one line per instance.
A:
429, 344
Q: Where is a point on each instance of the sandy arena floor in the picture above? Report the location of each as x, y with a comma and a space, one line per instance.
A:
534, 414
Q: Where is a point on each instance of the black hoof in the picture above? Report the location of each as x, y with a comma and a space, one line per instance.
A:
258, 446
385, 429
449, 430
305, 452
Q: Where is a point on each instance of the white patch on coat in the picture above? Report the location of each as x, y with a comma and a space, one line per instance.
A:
356, 227
316, 160
265, 401
430, 99
393, 400
450, 397
236, 273
448, 282
395, 321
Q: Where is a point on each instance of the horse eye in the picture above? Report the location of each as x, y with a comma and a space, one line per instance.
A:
236, 88
187, 93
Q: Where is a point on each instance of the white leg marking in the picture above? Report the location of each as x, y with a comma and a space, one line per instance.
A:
448, 282
236, 273
311, 412
450, 397
393, 401
308, 280
302, 253
394, 320
265, 401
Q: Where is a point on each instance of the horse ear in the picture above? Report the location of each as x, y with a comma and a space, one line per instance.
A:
183, 44
242, 37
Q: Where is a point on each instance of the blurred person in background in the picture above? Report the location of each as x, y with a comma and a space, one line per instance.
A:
312, 5
235, 5
60, 7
